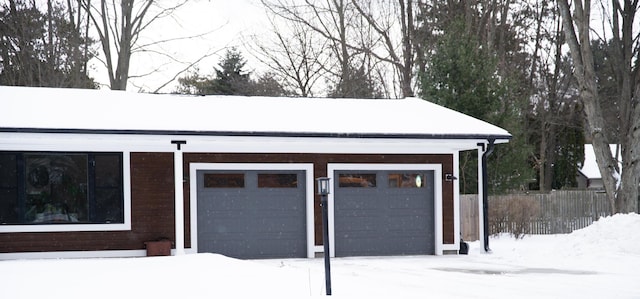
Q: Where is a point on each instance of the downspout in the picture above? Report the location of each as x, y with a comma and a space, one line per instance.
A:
485, 194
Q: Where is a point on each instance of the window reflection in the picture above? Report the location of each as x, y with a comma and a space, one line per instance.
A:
56, 189
277, 180
358, 180
406, 180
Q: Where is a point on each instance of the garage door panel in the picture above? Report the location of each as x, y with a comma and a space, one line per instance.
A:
412, 222
407, 203
359, 223
352, 202
392, 218
253, 222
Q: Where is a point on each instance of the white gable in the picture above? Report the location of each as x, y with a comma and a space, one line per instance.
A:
75, 109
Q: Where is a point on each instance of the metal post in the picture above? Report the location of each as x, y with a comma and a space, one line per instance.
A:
325, 241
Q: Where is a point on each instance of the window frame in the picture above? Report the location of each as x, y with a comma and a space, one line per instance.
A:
81, 227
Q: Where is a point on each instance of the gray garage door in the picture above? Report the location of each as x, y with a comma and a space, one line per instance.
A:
384, 212
252, 214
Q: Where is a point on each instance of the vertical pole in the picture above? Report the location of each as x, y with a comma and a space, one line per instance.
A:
179, 197
480, 198
325, 242
485, 196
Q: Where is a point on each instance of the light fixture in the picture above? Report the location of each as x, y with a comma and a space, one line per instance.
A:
449, 177
323, 186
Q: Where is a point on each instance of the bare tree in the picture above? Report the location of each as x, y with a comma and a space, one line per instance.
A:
361, 35
621, 183
383, 20
119, 25
296, 55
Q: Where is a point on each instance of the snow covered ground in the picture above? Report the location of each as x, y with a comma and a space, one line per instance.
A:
600, 261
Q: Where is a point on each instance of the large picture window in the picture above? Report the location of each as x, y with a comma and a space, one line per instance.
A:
61, 188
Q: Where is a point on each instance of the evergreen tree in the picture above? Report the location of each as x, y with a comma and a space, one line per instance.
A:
231, 79
357, 84
462, 74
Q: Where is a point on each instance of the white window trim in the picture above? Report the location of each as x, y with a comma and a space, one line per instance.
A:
193, 194
437, 169
126, 188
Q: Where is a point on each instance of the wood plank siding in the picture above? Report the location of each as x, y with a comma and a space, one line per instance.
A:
152, 200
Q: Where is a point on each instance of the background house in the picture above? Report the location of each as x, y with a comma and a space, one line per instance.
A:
589, 175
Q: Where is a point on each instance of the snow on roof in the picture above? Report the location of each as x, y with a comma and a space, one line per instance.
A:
50, 109
590, 167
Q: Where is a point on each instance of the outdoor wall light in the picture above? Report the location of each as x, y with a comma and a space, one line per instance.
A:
449, 177
323, 186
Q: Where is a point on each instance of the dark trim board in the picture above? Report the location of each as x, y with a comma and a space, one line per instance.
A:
257, 134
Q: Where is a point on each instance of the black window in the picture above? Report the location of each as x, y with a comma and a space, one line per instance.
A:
224, 180
53, 188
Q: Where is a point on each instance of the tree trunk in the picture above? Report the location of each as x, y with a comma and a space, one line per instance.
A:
408, 33
580, 48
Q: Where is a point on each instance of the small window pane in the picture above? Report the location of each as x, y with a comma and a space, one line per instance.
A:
108, 170
9, 205
358, 180
108, 203
8, 171
224, 180
406, 180
109, 206
277, 180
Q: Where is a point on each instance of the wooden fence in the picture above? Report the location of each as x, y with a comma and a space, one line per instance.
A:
556, 212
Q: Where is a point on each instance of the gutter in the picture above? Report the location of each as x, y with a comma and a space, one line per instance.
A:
251, 133
485, 195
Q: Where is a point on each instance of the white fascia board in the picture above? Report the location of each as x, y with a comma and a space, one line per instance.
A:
230, 144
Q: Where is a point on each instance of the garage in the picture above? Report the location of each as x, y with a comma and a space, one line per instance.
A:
252, 213
190, 172
384, 212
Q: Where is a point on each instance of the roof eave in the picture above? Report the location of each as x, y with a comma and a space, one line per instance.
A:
259, 134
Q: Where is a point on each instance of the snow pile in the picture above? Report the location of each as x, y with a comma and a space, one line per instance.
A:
615, 235
187, 276
600, 261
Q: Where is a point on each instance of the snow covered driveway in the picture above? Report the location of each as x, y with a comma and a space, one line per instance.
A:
600, 261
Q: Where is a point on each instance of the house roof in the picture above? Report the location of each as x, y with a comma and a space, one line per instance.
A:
590, 167
38, 109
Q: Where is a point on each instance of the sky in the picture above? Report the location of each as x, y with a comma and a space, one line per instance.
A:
599, 261
218, 25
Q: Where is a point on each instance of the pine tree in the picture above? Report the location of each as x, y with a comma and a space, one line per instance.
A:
231, 79
463, 75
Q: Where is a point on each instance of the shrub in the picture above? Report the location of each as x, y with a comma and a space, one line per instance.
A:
513, 215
